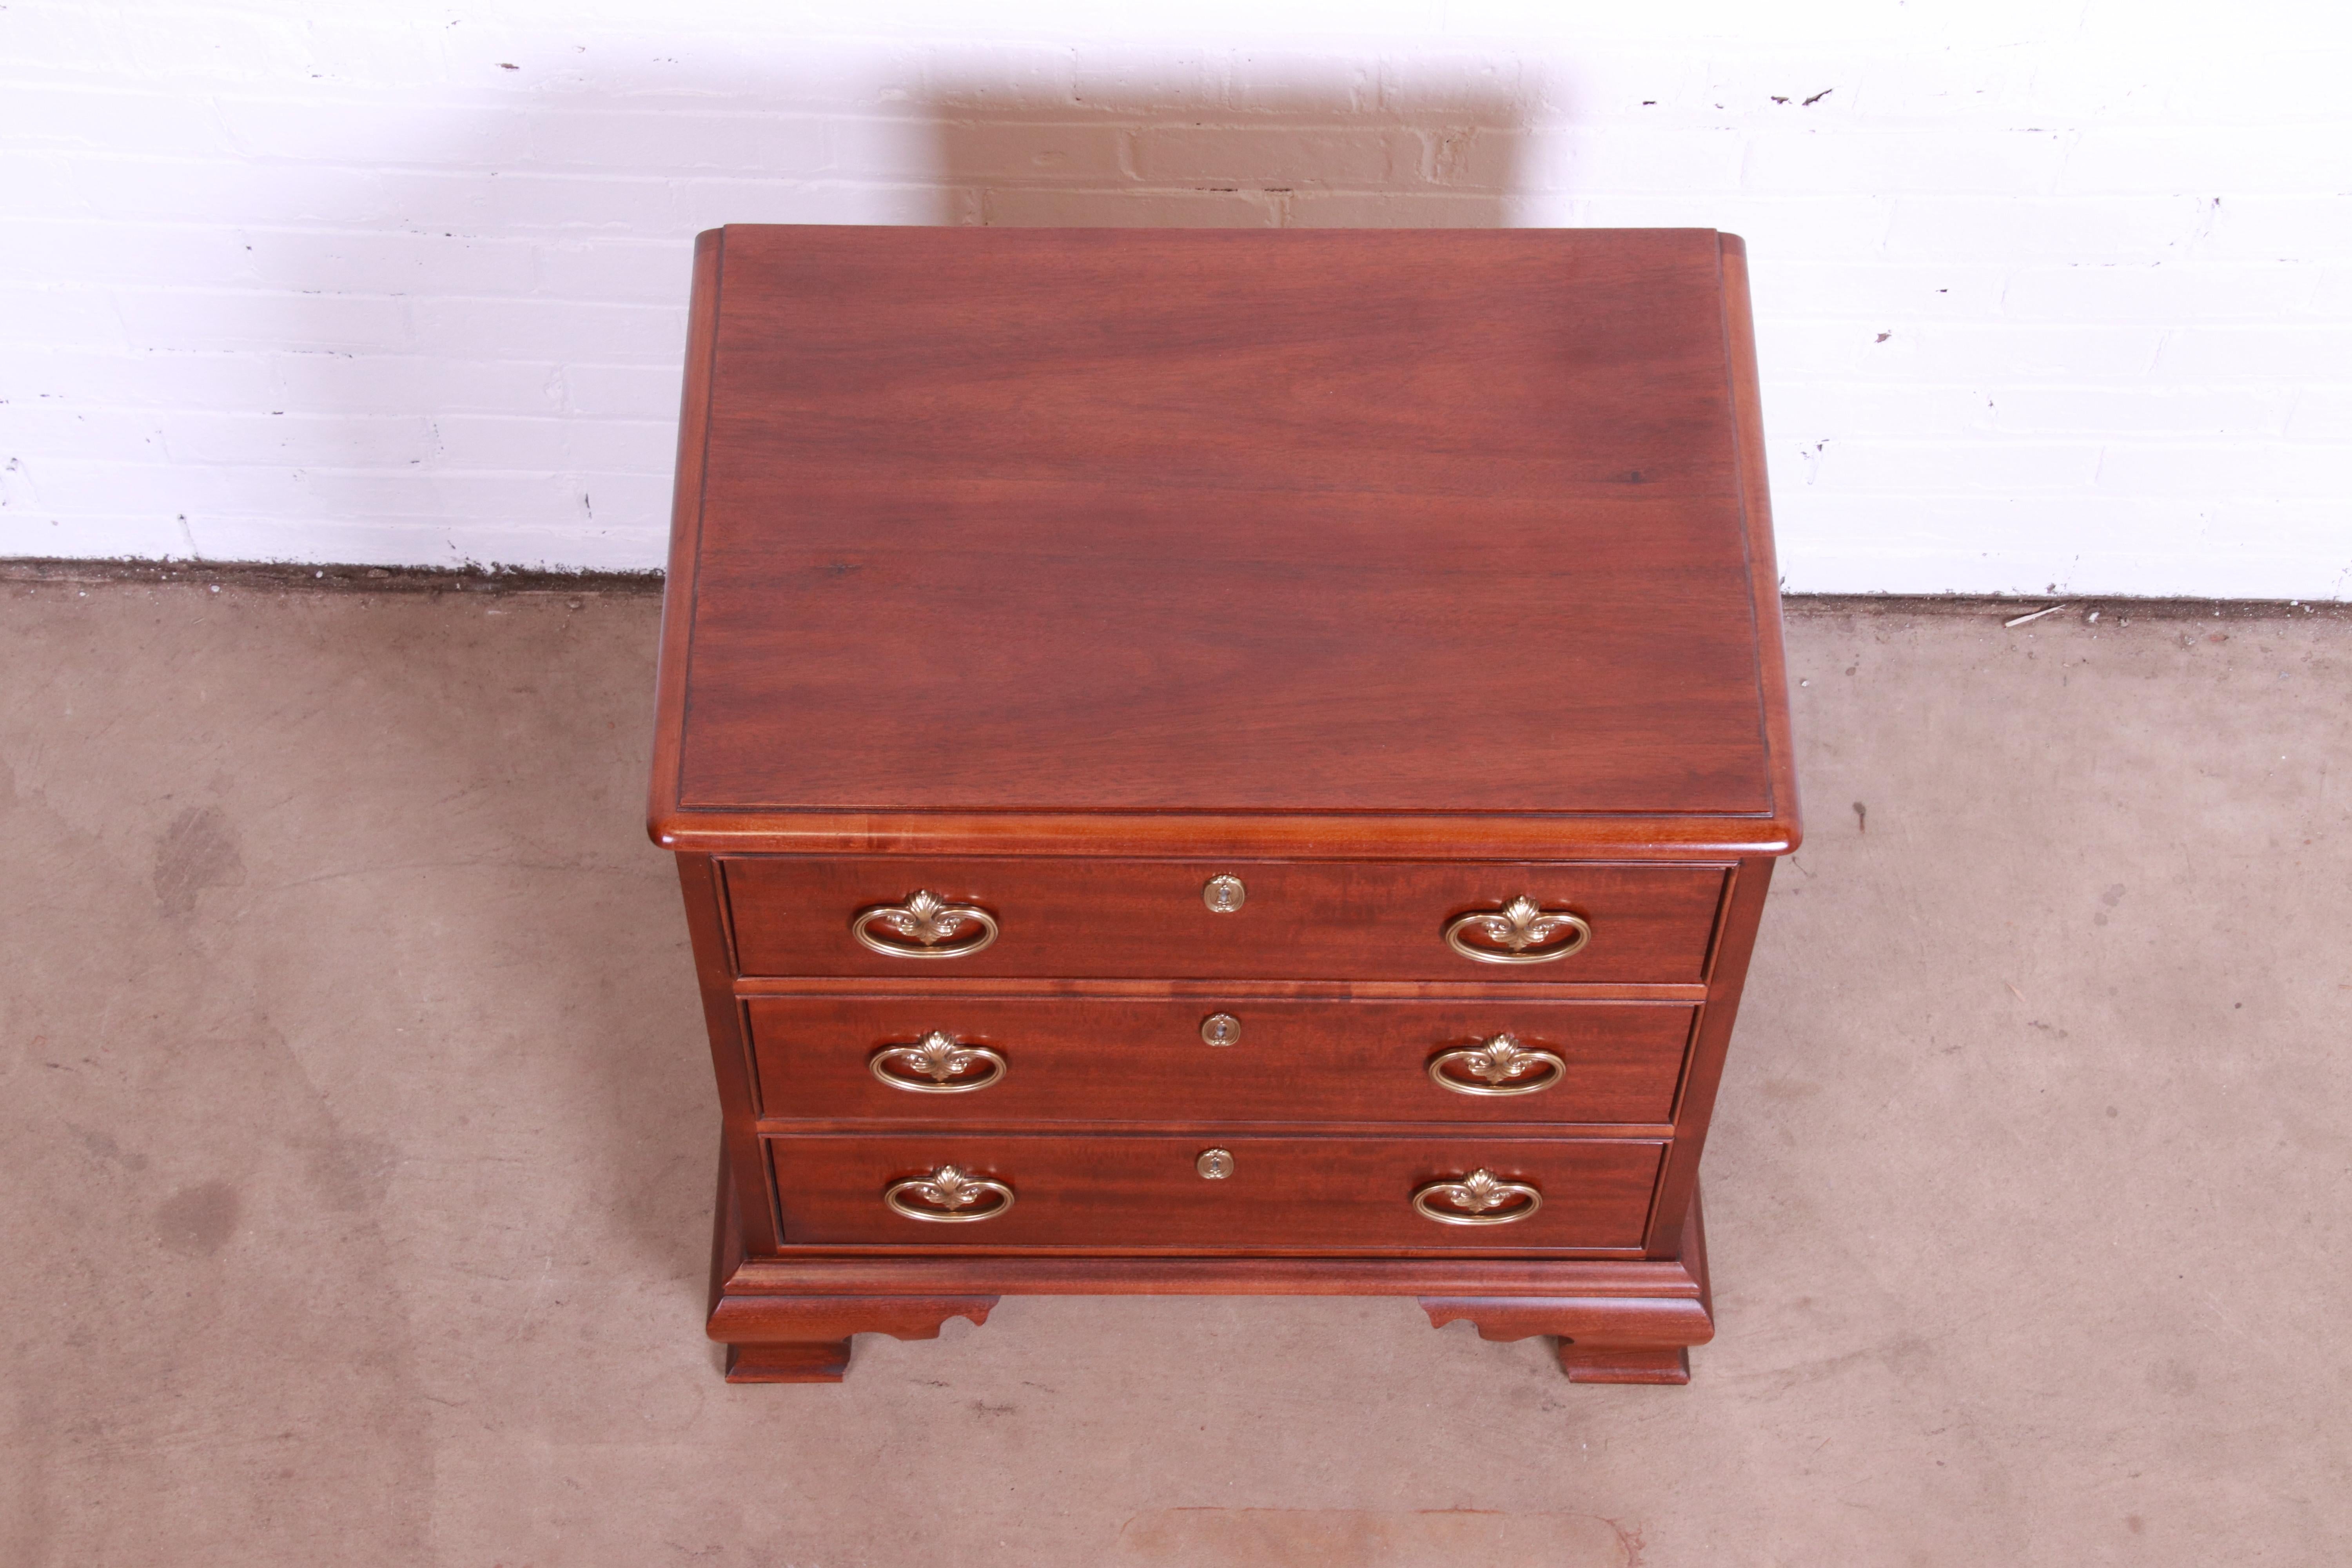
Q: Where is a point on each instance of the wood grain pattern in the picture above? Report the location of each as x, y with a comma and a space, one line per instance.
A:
1397, 573
1076, 916
1117, 462
1304, 1194
1102, 1060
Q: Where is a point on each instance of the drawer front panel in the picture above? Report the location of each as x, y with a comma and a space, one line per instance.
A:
1079, 1059
1312, 1194
1295, 920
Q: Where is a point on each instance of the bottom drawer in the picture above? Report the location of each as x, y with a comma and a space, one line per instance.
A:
1309, 1195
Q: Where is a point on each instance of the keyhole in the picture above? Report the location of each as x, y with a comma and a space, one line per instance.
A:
1225, 894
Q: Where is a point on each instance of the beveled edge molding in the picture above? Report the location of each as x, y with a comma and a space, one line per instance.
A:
914, 1124
1601, 1339
1187, 835
812, 1274
1679, 993
806, 1339
740, 1316
1613, 1322
1621, 1321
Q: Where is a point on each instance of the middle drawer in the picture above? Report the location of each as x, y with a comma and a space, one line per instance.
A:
945, 1057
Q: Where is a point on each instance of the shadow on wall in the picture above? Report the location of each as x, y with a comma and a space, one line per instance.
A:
485, 329
475, 345
1340, 154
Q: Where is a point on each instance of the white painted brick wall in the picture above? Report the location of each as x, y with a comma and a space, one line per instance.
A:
2049, 291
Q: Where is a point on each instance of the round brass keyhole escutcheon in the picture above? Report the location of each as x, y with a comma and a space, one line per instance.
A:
1220, 1029
1223, 895
1214, 1164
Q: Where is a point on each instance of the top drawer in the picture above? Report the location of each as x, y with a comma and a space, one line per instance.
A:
1247, 919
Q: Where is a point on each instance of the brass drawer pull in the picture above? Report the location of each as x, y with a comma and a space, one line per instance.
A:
1498, 1061
944, 1059
1521, 929
929, 923
1469, 1199
949, 1188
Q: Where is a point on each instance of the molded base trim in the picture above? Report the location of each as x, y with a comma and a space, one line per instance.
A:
789, 1320
784, 1339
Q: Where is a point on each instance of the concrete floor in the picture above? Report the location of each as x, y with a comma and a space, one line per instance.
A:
358, 1141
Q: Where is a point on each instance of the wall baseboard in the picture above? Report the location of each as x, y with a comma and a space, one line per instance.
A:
312, 577
291, 577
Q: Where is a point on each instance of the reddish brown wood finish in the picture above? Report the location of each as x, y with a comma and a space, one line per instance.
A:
1763, 567
1619, 1321
829, 1271
806, 1339
795, 1337
1302, 921
1058, 571
685, 532
1097, 1060
1302, 1195
1516, 590
1533, 837
730, 1051
1592, 1327
1605, 1338
1678, 1185
1212, 991
1066, 512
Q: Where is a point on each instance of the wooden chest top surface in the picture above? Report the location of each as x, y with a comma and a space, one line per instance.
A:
1004, 523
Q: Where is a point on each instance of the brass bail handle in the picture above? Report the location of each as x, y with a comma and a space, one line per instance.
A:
925, 926
1522, 931
941, 1058
1498, 1061
947, 1192
1475, 1199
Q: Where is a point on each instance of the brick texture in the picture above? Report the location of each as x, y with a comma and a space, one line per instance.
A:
2050, 293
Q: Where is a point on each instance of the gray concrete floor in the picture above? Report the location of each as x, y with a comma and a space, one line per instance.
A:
358, 1140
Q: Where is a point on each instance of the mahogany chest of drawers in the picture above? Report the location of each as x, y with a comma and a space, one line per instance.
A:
1218, 761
